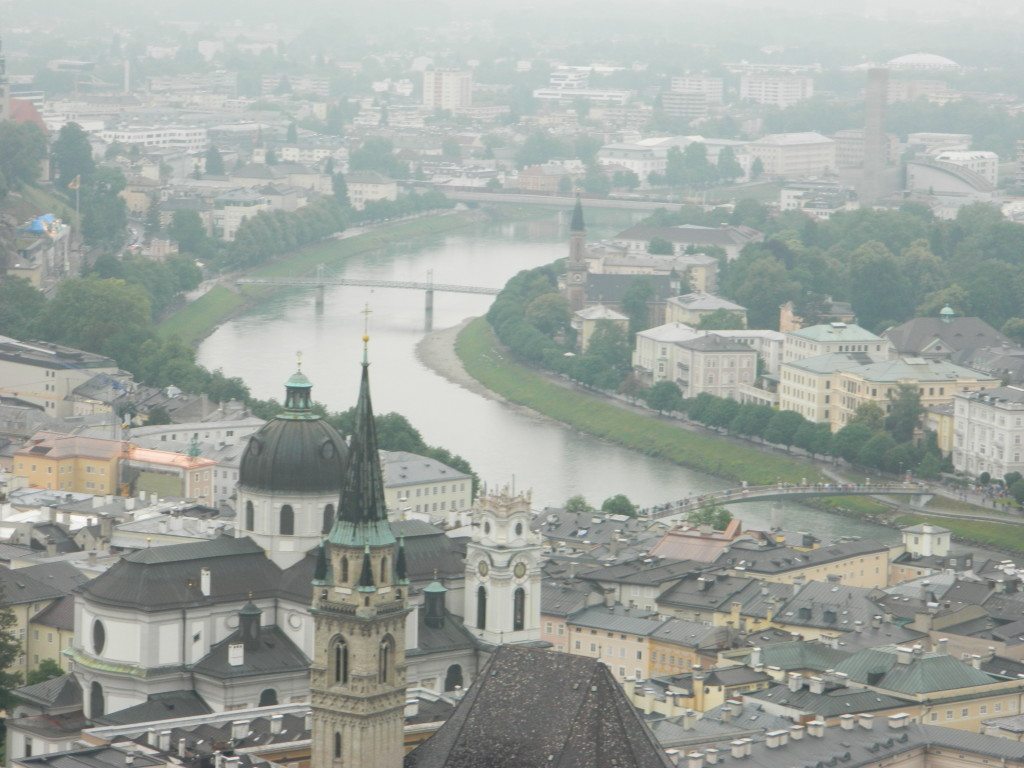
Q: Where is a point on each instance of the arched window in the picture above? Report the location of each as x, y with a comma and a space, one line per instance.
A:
96, 704
341, 661
385, 673
337, 745
481, 608
250, 516
328, 519
384, 570
344, 570
518, 609
519, 529
268, 698
287, 520
99, 637
453, 679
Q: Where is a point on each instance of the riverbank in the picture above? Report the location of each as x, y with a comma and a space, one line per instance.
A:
195, 320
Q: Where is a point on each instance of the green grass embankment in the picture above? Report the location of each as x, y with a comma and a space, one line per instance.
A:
194, 321
997, 535
484, 360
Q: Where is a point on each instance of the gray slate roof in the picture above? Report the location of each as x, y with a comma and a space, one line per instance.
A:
160, 706
55, 693
276, 654
575, 713
925, 334
833, 702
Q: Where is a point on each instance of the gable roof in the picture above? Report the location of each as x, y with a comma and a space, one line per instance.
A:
934, 335
926, 672
274, 654
575, 712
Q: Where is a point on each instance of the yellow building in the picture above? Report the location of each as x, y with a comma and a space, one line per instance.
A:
52, 631
69, 463
936, 381
617, 636
589, 319
939, 419
863, 563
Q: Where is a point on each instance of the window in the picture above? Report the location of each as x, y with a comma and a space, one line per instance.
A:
384, 570
386, 661
963, 712
453, 678
96, 705
639, 655
287, 526
99, 637
340, 661
337, 745
28, 747
518, 610
250, 516
949, 714
577, 645
481, 609
268, 698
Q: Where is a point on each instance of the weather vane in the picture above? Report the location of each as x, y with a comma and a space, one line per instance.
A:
298, 359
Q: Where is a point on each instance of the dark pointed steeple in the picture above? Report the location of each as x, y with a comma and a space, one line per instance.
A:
400, 566
577, 224
366, 574
362, 514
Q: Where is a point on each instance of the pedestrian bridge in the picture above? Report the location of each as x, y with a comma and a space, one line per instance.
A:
787, 491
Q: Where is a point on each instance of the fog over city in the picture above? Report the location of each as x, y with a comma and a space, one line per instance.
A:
511, 383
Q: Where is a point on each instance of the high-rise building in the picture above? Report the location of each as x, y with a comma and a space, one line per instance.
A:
447, 89
357, 677
875, 142
777, 90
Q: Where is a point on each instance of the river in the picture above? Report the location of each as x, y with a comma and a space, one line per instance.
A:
504, 444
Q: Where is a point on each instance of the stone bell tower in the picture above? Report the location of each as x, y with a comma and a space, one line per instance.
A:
576, 268
359, 608
503, 578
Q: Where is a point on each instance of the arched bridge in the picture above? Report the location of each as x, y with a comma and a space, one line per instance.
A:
784, 491
320, 280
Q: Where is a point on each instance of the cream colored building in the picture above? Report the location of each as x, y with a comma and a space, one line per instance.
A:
46, 374
834, 338
655, 352
691, 308
714, 364
447, 89
937, 382
369, 186
795, 155
988, 431
617, 636
424, 487
775, 89
587, 320
806, 385
233, 208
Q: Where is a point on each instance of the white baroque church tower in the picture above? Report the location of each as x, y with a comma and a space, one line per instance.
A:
503, 571
359, 608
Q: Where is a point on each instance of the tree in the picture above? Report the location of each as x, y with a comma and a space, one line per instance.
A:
451, 149
340, 188
214, 162
660, 247
21, 306
22, 149
1014, 328
153, 219
930, 466
850, 439
595, 182
549, 313
157, 415
756, 168
187, 230
716, 516
870, 414
634, 304
879, 291
378, 154
721, 320
47, 670
782, 428
904, 413
292, 137
984, 478
577, 504
619, 504
72, 155
1017, 491
664, 397
875, 451
1011, 477
10, 650
611, 351
729, 168
539, 147
625, 180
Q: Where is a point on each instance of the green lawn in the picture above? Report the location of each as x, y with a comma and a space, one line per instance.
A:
194, 321
987, 534
485, 361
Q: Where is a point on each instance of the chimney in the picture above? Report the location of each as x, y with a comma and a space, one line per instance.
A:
239, 728
276, 723
918, 651
898, 721
307, 723
755, 657
796, 732
182, 748
609, 598
51, 547
817, 685
236, 654
748, 747
412, 706
776, 739
738, 748
876, 622
858, 626
129, 758
796, 681
976, 661
847, 721
736, 706
695, 760
711, 756
689, 720
129, 504
943, 646
153, 738
231, 762
816, 729
204, 582
904, 654
165, 741
867, 722
673, 756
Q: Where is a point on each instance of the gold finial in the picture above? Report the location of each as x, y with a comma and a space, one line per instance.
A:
366, 332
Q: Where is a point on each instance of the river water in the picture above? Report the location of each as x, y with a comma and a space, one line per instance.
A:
503, 443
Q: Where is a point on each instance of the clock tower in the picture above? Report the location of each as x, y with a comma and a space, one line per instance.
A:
357, 677
503, 578
576, 269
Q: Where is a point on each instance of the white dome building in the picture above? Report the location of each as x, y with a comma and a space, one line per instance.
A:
923, 62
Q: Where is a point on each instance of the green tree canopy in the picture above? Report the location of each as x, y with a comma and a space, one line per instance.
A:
549, 313
619, 504
577, 504
716, 516
904, 413
660, 247
664, 397
47, 670
72, 155
721, 320
214, 162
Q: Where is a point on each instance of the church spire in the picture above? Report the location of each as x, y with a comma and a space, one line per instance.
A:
577, 224
362, 514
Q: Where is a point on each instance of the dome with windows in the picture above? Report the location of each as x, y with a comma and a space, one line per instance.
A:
296, 451
923, 62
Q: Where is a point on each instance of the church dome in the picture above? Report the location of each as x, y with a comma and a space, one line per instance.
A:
296, 451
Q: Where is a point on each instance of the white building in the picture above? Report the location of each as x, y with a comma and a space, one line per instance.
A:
834, 338
369, 186
985, 164
711, 87
232, 208
185, 137
655, 352
424, 488
795, 155
777, 90
447, 89
988, 431
715, 365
